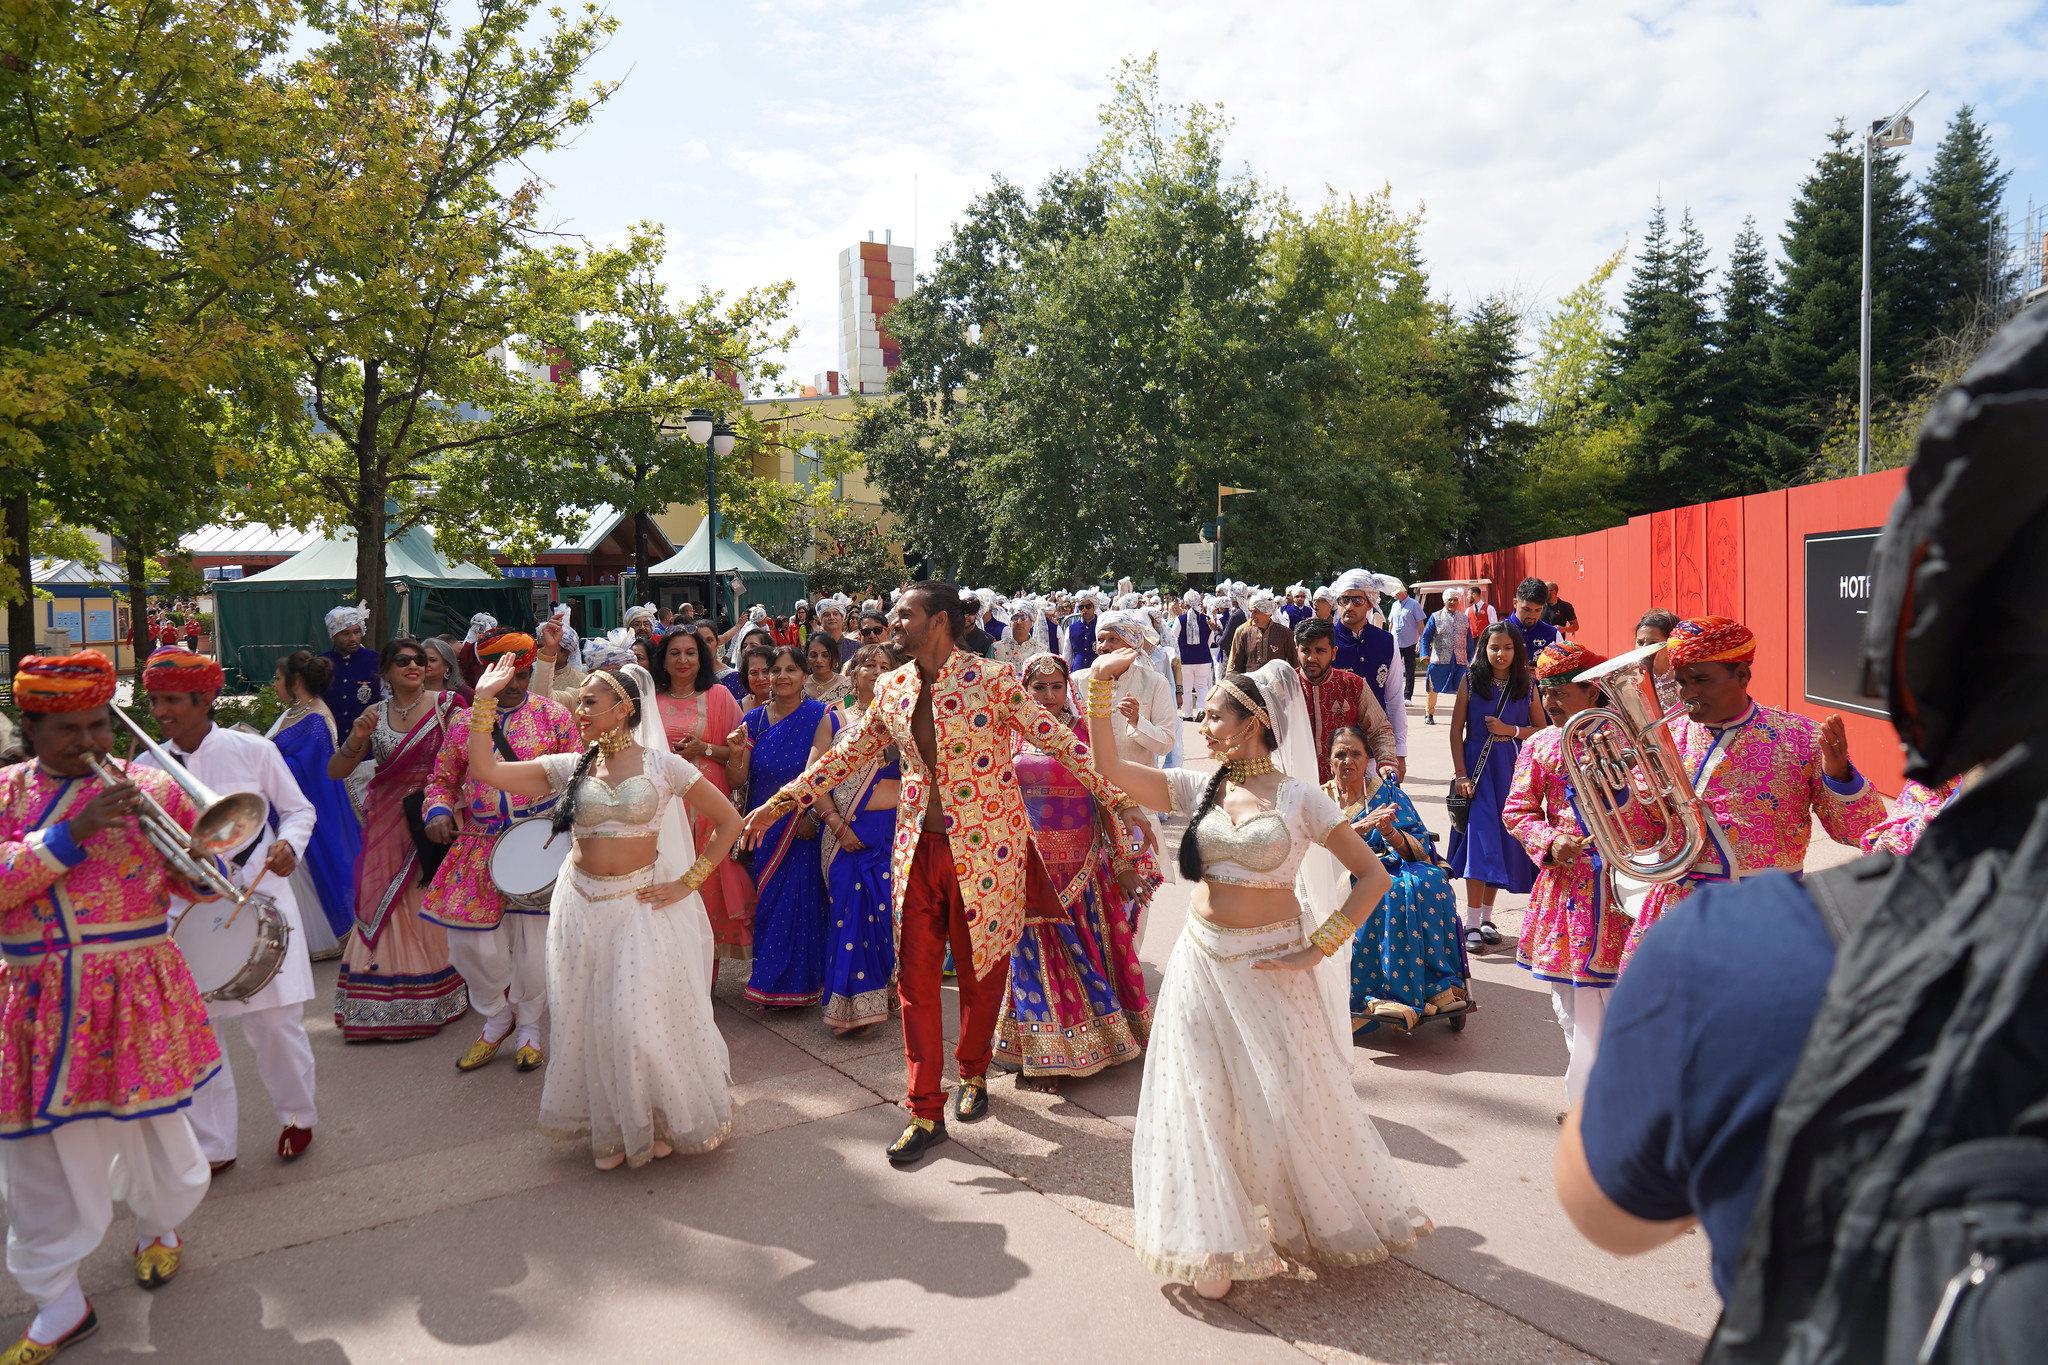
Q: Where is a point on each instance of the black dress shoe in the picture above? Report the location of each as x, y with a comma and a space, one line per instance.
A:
970, 1099
920, 1137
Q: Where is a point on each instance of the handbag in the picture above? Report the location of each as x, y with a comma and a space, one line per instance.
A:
1460, 807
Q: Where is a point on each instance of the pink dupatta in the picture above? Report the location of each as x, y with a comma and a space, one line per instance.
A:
389, 866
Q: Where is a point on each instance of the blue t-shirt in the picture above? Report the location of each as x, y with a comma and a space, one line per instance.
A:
1702, 1035
1534, 637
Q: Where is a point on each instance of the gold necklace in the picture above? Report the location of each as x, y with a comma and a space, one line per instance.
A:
1242, 770
612, 743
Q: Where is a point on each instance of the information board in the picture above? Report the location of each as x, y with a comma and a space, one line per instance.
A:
1197, 556
1837, 606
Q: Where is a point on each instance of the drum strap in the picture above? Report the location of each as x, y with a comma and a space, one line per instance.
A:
502, 744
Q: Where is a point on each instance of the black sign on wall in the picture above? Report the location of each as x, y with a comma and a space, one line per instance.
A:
1837, 605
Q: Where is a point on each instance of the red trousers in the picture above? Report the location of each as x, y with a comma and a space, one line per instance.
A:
933, 916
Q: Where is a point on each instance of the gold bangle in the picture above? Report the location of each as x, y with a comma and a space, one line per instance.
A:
1334, 933
700, 872
483, 717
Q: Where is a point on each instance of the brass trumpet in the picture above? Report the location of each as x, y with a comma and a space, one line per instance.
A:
1623, 752
225, 825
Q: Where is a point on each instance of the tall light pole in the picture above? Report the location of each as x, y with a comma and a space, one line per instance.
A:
1896, 131
718, 440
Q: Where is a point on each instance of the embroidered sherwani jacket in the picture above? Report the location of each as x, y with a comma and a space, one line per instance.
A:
978, 711
462, 894
1762, 781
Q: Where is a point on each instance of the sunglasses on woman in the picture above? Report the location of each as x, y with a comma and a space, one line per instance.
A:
408, 661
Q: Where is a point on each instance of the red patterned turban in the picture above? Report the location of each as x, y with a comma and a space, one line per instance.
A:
1564, 661
504, 640
173, 669
70, 682
1712, 640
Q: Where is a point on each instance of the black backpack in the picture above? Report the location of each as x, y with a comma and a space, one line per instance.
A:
1903, 1215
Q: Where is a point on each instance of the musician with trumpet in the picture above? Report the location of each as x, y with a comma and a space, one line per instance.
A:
103, 1036
1760, 774
182, 687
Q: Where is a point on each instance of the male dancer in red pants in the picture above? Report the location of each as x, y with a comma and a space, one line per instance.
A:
963, 865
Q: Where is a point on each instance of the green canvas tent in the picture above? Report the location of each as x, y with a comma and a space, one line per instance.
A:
767, 583
266, 616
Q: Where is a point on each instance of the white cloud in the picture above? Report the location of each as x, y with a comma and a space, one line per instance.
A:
1537, 134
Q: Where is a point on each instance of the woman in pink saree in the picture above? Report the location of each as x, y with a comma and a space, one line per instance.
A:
395, 981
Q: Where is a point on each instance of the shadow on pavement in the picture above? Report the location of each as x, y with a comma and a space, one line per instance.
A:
1511, 1033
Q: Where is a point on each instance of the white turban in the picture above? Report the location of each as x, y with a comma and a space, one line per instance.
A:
356, 617
615, 650
1262, 601
831, 604
1389, 585
1128, 601
1134, 626
1191, 598
571, 642
1124, 585
479, 625
1356, 580
1323, 594
646, 611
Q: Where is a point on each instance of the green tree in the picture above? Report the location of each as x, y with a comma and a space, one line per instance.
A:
1572, 477
1814, 351
1961, 262
1740, 372
427, 281
132, 236
1473, 374
1661, 377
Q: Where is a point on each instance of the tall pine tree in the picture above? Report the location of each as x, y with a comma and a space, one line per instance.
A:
1814, 353
1741, 374
1961, 266
1478, 358
1662, 374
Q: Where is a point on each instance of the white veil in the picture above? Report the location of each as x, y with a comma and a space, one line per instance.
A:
1322, 884
674, 848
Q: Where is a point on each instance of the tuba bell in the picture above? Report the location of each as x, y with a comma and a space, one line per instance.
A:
225, 824
1622, 756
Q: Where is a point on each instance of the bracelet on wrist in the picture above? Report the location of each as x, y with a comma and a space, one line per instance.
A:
1332, 935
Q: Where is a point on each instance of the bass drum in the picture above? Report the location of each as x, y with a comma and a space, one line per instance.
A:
526, 860
233, 951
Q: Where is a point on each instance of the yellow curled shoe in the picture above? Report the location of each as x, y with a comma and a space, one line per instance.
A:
480, 1054
156, 1265
29, 1351
529, 1058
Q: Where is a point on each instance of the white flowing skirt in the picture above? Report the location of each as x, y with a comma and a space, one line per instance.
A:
1252, 1149
634, 1057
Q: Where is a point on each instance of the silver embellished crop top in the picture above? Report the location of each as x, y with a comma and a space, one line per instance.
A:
1265, 849
630, 810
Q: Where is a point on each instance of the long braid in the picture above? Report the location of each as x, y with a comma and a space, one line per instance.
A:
1190, 843
564, 818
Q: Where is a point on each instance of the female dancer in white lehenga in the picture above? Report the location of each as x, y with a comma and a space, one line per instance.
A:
635, 1062
1251, 1146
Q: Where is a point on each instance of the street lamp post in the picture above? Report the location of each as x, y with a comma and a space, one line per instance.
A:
718, 439
1896, 131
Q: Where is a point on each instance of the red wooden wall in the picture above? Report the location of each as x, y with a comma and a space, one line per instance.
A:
1742, 557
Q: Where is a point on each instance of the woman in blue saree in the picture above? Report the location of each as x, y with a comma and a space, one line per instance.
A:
1407, 959
780, 740
860, 829
304, 734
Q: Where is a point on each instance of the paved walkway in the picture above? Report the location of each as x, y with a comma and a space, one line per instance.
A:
431, 1222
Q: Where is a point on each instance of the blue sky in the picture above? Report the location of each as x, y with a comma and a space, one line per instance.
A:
767, 135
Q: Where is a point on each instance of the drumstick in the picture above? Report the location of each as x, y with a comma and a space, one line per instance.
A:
248, 892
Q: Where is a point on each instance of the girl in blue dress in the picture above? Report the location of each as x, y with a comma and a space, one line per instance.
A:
1488, 725
860, 830
305, 736
781, 739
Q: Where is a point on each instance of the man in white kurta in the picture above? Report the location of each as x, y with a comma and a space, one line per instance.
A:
235, 761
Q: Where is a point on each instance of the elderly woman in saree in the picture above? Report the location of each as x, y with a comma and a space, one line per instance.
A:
1406, 961
1077, 1002
860, 828
395, 981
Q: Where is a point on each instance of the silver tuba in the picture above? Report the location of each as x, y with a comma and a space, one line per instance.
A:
225, 823
1623, 753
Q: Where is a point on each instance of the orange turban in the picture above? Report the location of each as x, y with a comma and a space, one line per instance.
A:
1712, 640
1564, 661
505, 640
173, 669
70, 682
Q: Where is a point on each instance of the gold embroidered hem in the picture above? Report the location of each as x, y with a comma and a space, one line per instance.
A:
579, 1132
858, 1011
1083, 1050
1276, 1260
